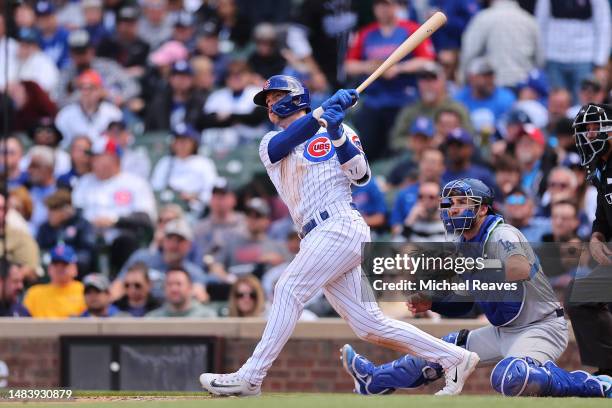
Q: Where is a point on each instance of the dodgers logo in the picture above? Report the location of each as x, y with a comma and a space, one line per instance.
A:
319, 148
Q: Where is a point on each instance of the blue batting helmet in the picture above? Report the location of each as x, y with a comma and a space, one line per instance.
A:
476, 194
297, 97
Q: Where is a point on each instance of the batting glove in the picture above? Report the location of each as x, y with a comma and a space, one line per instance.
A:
343, 97
334, 115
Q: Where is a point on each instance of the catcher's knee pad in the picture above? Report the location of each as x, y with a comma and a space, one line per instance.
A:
406, 372
514, 377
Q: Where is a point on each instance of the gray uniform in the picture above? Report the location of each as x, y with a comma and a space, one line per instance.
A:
535, 331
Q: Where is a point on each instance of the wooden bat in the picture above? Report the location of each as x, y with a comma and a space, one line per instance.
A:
421, 34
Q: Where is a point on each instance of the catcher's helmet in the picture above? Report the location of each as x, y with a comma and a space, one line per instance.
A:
297, 97
476, 194
592, 126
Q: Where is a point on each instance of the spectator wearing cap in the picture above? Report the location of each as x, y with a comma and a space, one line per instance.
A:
33, 64
576, 40
266, 59
184, 29
519, 210
137, 300
370, 202
431, 83
230, 117
213, 232
63, 296
53, 37
94, 24
207, 45
11, 287
420, 138
134, 160
252, 252
65, 224
177, 103
91, 114
125, 46
21, 248
175, 246
44, 133
397, 87
156, 25
80, 160
41, 183
486, 101
28, 103
167, 213
459, 153
591, 90
157, 73
529, 151
510, 130
121, 88
97, 297
508, 36
120, 205
185, 174
178, 295
534, 87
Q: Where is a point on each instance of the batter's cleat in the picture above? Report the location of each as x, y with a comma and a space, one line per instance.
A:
457, 375
356, 366
228, 385
606, 383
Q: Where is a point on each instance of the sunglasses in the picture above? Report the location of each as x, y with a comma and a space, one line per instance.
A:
516, 200
135, 285
554, 184
427, 197
241, 295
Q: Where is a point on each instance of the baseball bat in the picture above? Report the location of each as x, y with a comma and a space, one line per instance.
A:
421, 34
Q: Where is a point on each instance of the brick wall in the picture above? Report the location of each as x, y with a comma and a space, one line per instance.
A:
307, 365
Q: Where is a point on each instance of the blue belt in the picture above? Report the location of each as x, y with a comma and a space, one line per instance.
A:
310, 225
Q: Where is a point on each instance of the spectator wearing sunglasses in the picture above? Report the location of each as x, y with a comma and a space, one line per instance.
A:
423, 224
247, 298
519, 210
137, 300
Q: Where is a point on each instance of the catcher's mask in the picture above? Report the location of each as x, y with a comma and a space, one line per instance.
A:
460, 202
592, 127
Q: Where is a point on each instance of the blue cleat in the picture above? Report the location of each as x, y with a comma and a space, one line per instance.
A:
606, 383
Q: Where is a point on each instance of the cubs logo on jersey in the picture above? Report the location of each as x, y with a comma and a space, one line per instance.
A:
357, 142
319, 148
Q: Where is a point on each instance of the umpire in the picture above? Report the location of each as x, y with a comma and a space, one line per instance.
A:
589, 302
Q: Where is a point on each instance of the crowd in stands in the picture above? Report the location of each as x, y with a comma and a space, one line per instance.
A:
97, 223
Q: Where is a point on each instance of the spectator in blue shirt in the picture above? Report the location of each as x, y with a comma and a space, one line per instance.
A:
53, 37
370, 203
419, 139
485, 101
94, 24
431, 168
459, 152
459, 13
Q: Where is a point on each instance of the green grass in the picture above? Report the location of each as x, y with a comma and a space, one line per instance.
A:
317, 401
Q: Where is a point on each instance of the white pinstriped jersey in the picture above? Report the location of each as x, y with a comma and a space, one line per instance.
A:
309, 179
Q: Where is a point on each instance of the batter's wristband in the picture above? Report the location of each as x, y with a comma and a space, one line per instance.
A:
317, 113
339, 142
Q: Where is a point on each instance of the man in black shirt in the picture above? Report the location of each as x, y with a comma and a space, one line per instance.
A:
590, 298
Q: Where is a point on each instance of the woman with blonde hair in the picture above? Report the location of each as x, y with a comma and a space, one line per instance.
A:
247, 298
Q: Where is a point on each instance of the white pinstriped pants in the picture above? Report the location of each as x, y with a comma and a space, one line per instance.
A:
329, 258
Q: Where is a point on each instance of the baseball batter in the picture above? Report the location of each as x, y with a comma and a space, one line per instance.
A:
312, 169
527, 331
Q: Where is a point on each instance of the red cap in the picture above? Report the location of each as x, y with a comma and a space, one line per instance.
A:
534, 134
90, 77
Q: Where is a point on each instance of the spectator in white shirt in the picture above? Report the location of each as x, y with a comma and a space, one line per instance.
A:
135, 160
8, 57
89, 116
184, 174
44, 133
33, 64
120, 205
